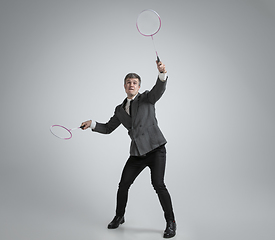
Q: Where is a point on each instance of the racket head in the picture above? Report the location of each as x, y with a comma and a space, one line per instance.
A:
61, 132
148, 23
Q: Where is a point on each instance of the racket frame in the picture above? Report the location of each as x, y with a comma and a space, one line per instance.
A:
67, 129
150, 35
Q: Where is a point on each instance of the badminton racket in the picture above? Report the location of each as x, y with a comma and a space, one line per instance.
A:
62, 132
148, 24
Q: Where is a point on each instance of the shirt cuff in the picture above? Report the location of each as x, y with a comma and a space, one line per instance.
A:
93, 124
163, 76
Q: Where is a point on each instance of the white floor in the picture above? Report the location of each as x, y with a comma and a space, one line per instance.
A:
27, 224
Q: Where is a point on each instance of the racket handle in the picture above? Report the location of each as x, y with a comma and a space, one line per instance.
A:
158, 60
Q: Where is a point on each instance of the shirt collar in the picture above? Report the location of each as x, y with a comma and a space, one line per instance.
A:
129, 100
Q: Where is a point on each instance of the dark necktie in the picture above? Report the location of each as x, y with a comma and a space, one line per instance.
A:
130, 108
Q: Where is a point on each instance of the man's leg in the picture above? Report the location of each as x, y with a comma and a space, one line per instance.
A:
131, 170
157, 162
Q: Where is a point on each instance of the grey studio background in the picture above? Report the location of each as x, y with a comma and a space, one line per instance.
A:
63, 62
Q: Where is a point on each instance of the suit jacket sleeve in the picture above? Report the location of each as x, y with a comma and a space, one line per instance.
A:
157, 91
110, 126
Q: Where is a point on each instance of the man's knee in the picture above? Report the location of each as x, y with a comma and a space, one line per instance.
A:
159, 186
124, 185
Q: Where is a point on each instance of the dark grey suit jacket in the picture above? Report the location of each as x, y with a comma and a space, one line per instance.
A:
142, 126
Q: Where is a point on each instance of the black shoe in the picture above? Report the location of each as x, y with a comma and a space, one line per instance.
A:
170, 230
116, 221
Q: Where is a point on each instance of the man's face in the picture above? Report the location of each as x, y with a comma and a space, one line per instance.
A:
131, 87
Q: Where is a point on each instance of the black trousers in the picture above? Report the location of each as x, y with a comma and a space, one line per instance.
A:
156, 161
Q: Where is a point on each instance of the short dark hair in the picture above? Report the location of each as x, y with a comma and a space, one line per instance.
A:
132, 75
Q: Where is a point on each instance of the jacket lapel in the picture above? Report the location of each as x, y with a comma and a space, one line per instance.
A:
135, 107
122, 108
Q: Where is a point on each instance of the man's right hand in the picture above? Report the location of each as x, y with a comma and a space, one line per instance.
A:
86, 124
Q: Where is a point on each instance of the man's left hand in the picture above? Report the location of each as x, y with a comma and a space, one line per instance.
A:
161, 67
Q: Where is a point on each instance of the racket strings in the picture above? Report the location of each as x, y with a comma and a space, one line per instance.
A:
61, 132
148, 22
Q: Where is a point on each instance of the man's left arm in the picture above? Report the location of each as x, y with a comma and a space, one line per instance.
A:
158, 89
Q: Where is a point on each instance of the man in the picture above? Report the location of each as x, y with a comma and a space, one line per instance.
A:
137, 114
